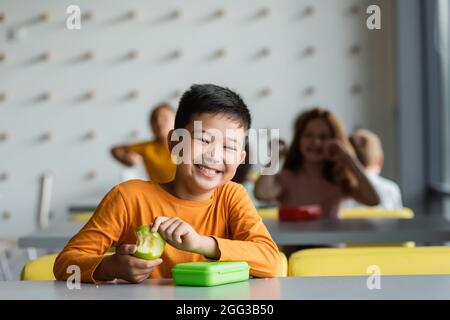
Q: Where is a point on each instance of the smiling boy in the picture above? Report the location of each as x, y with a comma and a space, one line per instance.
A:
201, 214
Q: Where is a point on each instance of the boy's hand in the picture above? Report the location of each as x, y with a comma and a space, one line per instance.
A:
181, 235
178, 233
123, 265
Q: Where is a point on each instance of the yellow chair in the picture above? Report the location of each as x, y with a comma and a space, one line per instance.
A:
377, 213
81, 217
268, 213
39, 269
358, 261
352, 213
42, 267
283, 265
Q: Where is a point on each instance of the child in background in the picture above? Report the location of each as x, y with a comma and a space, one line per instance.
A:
247, 175
319, 168
201, 214
369, 151
155, 154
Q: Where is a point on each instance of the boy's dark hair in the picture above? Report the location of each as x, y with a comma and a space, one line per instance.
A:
209, 98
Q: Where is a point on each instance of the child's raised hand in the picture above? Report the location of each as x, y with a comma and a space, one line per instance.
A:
123, 265
336, 151
134, 158
178, 233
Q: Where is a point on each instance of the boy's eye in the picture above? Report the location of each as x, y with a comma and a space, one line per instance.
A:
229, 148
203, 140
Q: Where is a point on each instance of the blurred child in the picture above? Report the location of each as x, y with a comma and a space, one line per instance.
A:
247, 175
319, 169
369, 151
201, 214
155, 154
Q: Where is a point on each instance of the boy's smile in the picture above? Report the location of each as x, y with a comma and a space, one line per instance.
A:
208, 171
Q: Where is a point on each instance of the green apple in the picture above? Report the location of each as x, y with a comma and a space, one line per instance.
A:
150, 245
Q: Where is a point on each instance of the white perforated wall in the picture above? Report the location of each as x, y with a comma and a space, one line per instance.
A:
67, 96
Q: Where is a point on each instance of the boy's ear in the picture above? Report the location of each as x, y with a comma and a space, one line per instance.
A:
243, 154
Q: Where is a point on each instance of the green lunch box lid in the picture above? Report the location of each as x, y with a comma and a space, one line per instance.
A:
211, 267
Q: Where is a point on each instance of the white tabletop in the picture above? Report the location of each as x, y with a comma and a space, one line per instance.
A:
422, 230
297, 288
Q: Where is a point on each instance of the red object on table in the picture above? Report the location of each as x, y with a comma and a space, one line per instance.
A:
310, 212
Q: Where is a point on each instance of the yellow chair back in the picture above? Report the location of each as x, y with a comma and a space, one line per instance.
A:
42, 267
81, 217
268, 213
283, 265
361, 261
39, 269
375, 212
353, 213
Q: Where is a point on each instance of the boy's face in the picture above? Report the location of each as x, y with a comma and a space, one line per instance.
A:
215, 151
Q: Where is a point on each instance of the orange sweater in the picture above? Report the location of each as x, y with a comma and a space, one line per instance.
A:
229, 216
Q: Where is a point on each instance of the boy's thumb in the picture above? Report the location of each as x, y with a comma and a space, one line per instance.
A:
127, 249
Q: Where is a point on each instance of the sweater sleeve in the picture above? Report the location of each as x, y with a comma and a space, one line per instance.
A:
102, 232
249, 239
138, 148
